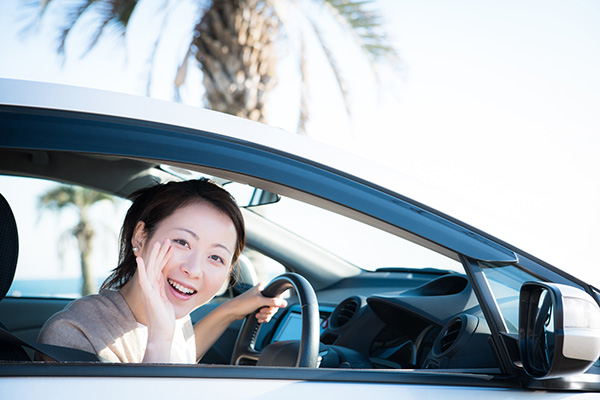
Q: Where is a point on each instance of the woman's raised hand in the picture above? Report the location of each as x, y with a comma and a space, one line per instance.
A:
160, 315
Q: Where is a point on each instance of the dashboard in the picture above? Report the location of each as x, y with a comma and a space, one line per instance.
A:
436, 325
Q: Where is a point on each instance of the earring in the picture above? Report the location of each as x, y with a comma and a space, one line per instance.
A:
135, 249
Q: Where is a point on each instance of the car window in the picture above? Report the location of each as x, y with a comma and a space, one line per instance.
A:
49, 263
360, 244
505, 282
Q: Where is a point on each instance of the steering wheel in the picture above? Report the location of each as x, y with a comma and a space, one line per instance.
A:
309, 344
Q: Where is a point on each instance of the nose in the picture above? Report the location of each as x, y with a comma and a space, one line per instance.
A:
192, 265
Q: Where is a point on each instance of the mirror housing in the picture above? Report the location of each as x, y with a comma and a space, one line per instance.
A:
245, 195
559, 330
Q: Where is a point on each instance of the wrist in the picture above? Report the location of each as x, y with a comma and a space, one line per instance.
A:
158, 351
230, 311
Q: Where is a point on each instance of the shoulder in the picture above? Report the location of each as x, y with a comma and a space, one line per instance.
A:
107, 306
107, 301
88, 317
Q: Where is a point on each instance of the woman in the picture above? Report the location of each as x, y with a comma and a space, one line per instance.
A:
178, 244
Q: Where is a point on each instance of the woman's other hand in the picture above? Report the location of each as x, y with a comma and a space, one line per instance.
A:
253, 301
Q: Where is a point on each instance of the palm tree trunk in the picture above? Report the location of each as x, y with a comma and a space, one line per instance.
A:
85, 235
234, 45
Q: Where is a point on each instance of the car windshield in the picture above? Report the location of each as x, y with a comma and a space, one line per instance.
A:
362, 245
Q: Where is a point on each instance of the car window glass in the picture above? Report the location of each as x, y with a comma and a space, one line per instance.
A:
505, 282
365, 246
252, 267
49, 262
265, 267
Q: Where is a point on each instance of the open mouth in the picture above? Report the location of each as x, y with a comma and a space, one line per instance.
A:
181, 289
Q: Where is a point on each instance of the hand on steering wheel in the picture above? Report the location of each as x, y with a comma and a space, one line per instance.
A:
309, 344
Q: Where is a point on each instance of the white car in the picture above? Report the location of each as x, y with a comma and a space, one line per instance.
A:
388, 297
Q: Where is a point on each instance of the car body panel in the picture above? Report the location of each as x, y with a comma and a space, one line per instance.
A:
225, 389
70, 134
256, 382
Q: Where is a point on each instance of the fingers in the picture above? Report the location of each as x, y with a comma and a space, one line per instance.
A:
269, 309
141, 267
150, 270
159, 256
265, 314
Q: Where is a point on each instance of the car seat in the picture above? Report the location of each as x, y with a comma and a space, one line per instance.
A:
12, 347
9, 251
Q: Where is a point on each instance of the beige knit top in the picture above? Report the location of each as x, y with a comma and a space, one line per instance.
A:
104, 324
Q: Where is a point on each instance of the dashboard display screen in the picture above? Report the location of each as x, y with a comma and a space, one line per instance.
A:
291, 327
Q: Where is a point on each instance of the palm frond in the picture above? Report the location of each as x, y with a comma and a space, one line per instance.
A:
152, 56
337, 73
57, 198
304, 91
364, 25
114, 13
90, 197
41, 6
62, 196
71, 16
38, 10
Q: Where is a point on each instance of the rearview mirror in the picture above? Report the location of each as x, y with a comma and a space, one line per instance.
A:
559, 330
248, 196
245, 195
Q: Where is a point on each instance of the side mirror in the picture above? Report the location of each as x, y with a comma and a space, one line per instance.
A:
559, 330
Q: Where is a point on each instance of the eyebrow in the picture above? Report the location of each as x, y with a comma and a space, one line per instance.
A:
190, 232
223, 247
198, 238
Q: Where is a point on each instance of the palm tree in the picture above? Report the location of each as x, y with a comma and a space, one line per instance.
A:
237, 43
81, 199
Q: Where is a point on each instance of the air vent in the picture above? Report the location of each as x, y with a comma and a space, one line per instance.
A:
344, 312
451, 334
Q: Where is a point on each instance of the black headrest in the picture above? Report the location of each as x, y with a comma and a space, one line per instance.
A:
9, 246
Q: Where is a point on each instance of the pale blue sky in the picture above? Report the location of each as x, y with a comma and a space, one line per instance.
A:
497, 105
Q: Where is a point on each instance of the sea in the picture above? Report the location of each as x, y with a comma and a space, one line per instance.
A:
69, 288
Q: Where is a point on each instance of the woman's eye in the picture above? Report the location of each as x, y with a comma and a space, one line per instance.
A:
181, 242
217, 259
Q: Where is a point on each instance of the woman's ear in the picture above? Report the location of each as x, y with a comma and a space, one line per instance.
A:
139, 235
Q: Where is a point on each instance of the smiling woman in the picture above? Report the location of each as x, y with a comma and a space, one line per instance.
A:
178, 244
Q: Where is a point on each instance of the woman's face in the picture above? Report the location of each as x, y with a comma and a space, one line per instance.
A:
203, 241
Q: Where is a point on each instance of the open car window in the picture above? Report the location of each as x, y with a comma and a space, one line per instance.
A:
49, 262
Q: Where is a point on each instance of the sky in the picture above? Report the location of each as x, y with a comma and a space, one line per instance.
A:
495, 103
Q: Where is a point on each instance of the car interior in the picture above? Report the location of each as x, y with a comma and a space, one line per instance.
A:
381, 316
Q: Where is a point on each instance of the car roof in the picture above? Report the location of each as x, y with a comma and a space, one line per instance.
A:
149, 129
52, 96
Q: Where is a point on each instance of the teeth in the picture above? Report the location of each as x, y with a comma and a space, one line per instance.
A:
181, 288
